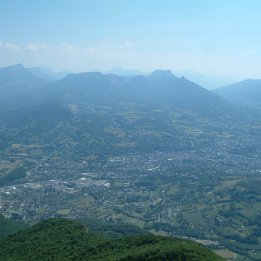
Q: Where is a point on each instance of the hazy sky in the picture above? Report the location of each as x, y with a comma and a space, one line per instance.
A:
208, 36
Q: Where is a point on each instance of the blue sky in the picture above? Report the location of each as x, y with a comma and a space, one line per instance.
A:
212, 37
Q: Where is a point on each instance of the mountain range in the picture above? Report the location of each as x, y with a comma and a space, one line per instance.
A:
160, 87
146, 110
16, 80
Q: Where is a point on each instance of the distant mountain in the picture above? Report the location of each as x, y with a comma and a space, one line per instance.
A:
160, 88
16, 82
209, 82
123, 72
247, 92
38, 71
54, 74
17, 75
111, 114
184, 94
60, 239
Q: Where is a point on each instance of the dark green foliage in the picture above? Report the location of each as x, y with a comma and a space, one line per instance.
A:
8, 226
55, 238
110, 230
60, 239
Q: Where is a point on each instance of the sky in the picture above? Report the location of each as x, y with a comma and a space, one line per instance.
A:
211, 37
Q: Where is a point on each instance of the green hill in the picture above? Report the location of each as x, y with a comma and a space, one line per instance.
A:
61, 239
8, 226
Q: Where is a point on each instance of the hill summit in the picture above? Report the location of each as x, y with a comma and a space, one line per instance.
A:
61, 239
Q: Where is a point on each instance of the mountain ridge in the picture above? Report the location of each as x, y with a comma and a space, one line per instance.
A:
160, 87
246, 92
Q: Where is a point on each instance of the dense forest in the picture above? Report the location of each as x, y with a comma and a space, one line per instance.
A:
61, 239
